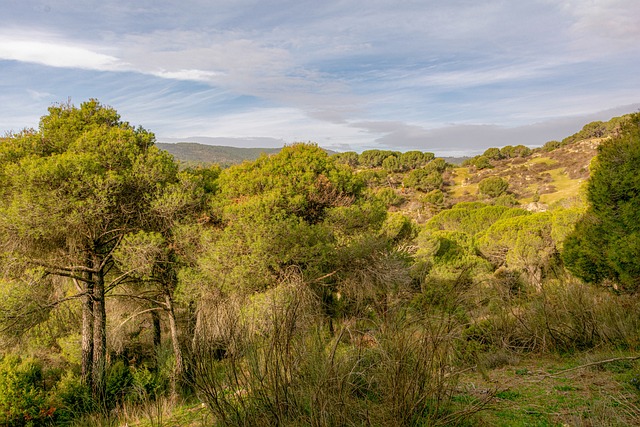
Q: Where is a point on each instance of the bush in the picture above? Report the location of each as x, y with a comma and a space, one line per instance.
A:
493, 154
424, 180
389, 197
493, 186
397, 371
119, 383
72, 398
23, 400
481, 162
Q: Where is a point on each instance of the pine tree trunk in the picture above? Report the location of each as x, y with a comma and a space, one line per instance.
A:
87, 333
178, 370
99, 336
157, 334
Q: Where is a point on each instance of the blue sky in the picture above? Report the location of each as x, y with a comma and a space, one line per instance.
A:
449, 76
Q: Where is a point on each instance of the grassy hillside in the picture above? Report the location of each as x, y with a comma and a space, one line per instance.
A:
537, 179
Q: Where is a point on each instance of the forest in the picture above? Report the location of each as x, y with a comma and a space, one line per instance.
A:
305, 288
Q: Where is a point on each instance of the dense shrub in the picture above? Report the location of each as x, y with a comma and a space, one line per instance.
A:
493, 186
424, 180
23, 400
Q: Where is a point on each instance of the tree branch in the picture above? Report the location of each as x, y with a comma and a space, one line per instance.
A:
587, 365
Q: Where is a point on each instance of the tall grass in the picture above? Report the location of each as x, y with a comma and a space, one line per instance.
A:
282, 367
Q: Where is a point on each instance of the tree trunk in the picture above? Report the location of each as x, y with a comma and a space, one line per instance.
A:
157, 334
87, 332
178, 369
99, 335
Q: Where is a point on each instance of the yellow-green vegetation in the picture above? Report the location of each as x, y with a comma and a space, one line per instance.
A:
299, 288
565, 188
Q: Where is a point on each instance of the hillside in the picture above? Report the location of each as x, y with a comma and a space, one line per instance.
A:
536, 179
553, 175
201, 154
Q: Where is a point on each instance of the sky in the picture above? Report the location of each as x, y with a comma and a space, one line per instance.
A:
452, 77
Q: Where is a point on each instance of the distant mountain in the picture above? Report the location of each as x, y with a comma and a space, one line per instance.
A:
200, 154
193, 153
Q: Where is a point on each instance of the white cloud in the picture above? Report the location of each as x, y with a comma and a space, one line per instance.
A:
602, 27
38, 96
55, 54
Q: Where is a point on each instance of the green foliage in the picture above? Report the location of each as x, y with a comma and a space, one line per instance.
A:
493, 186
493, 154
285, 211
389, 196
424, 180
523, 242
70, 194
450, 256
393, 164
434, 200
349, 158
301, 180
119, 382
23, 400
551, 145
375, 158
372, 177
510, 152
508, 200
600, 129
481, 162
472, 218
398, 227
606, 241
415, 159
72, 397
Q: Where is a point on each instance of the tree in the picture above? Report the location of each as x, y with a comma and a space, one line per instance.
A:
493, 154
415, 159
393, 164
347, 158
522, 242
427, 178
70, 193
493, 186
606, 241
374, 158
481, 162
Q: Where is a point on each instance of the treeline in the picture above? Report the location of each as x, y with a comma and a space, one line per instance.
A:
391, 161
280, 291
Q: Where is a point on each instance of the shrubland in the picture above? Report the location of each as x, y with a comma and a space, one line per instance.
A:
302, 288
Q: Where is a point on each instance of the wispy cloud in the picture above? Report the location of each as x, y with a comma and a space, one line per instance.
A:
55, 54
396, 73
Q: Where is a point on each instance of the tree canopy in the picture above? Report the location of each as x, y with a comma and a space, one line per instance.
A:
606, 241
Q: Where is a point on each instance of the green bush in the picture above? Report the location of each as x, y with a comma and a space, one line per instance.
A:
493, 186
72, 398
119, 383
424, 180
389, 197
493, 154
481, 162
23, 399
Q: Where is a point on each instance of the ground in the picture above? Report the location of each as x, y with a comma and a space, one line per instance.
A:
558, 391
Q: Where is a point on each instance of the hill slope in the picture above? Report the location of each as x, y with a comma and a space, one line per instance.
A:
194, 153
